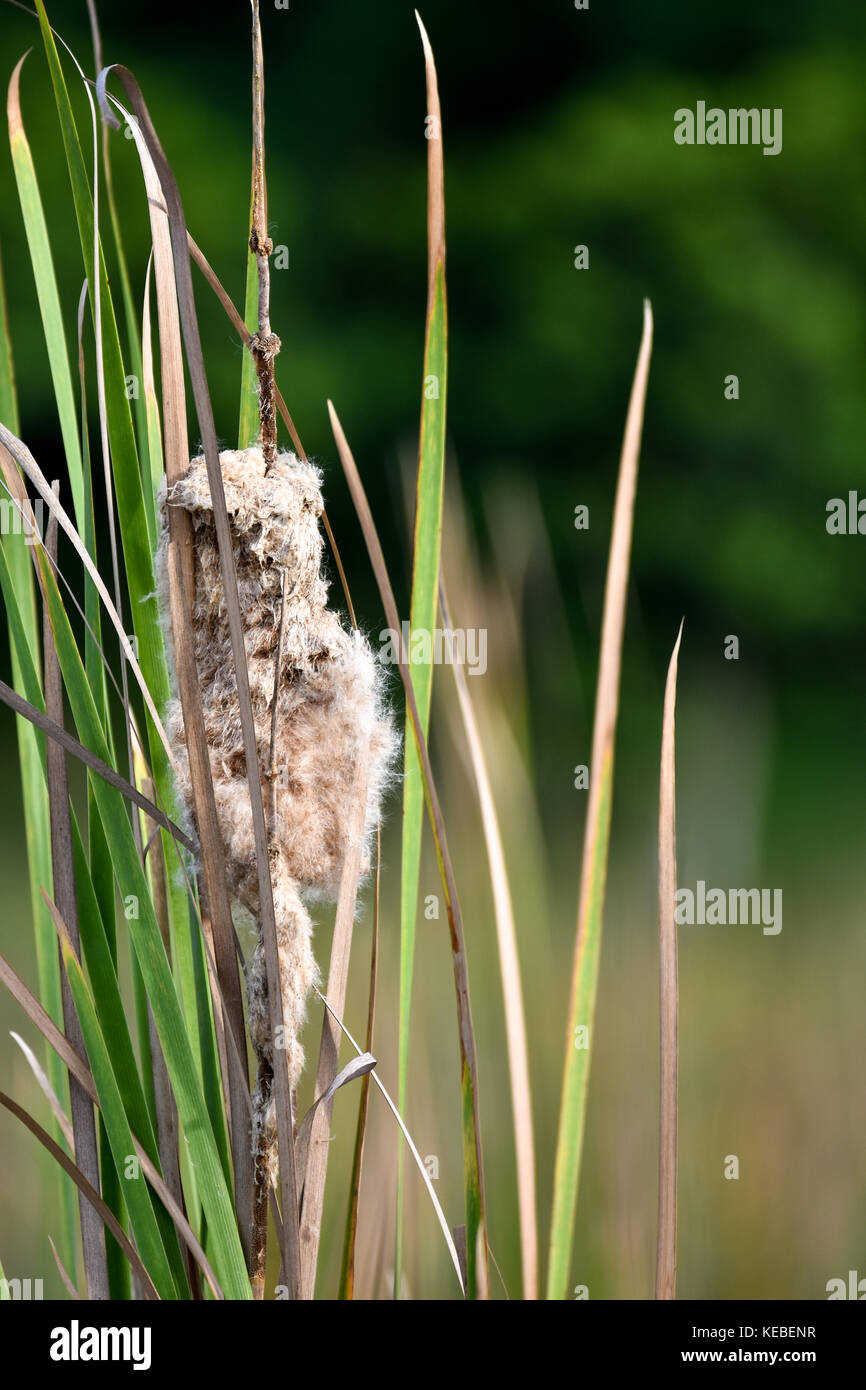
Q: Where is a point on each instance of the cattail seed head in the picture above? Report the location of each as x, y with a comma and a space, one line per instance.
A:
330, 713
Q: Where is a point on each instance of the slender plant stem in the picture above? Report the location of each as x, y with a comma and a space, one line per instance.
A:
261, 1192
265, 344
262, 1179
272, 754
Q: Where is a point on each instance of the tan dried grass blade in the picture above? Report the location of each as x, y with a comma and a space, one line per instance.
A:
509, 964
316, 1168
666, 1257
67, 1282
47, 1090
358, 1067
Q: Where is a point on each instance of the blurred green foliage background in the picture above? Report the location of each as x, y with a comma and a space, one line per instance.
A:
558, 128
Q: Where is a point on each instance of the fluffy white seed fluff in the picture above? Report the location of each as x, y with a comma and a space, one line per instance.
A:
330, 712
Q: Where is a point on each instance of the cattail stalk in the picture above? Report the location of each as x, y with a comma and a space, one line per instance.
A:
265, 344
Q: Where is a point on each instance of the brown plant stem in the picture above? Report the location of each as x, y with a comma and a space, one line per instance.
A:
272, 755
264, 344
216, 910
261, 1177
246, 338
261, 1193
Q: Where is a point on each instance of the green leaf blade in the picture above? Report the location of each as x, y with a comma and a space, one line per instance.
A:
150, 953
425, 587
39, 247
135, 1189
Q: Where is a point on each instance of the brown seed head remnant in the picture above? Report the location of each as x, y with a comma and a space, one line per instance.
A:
330, 712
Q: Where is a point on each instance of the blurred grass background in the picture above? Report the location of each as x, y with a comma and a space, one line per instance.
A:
558, 131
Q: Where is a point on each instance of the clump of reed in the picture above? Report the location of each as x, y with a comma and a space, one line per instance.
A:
257, 749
